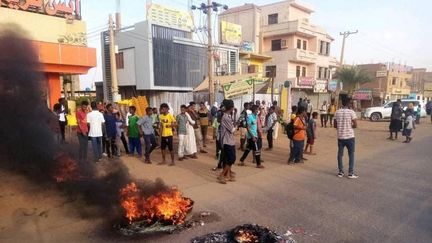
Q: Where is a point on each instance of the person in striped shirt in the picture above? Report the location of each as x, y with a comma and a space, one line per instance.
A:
345, 120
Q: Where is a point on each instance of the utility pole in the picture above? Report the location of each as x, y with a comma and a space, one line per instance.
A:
345, 35
208, 9
212, 95
114, 84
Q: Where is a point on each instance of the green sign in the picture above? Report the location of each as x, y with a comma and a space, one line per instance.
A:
240, 88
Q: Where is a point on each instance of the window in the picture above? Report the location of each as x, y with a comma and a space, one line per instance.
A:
389, 105
273, 19
328, 48
299, 44
119, 60
304, 45
326, 73
252, 69
401, 83
271, 71
320, 72
394, 81
322, 46
276, 45
303, 71
298, 70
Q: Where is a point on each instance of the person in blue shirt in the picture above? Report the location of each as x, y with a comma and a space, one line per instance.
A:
111, 131
252, 138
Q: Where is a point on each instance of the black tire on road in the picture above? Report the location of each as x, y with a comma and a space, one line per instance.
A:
375, 116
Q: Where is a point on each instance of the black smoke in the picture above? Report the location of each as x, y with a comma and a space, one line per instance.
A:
28, 144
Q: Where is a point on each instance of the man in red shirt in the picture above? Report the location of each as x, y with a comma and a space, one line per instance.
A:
82, 131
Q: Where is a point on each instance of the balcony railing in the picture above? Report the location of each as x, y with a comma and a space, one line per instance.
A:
291, 27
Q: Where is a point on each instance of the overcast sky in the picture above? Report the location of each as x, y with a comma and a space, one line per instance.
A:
389, 30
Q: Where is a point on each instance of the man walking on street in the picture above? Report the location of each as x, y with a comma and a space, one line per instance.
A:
96, 121
167, 123
203, 114
345, 121
111, 131
252, 138
133, 133
82, 131
299, 137
147, 130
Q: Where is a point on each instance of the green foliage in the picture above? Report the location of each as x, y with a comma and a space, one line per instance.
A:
352, 77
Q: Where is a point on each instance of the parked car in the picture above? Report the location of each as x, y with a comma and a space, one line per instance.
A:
384, 112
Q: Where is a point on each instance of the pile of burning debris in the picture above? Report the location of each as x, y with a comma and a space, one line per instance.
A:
248, 233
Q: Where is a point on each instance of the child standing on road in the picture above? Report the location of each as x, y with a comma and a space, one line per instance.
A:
408, 126
311, 134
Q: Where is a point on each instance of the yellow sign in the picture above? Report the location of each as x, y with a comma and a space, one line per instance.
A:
231, 33
169, 17
240, 88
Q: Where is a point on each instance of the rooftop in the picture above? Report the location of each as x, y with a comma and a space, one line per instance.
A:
245, 7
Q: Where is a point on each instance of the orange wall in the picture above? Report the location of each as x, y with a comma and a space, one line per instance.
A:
54, 88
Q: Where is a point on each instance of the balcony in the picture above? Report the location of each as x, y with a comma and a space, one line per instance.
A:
294, 55
299, 27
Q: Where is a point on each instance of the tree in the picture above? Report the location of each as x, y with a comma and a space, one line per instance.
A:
352, 77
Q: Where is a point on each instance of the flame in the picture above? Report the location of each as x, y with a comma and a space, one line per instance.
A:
67, 170
167, 206
246, 236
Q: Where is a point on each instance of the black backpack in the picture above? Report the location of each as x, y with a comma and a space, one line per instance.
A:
290, 130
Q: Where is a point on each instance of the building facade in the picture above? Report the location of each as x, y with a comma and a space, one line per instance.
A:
58, 35
163, 64
298, 51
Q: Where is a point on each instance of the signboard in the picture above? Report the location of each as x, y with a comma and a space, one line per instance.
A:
381, 74
362, 95
231, 33
247, 46
320, 86
169, 17
393, 67
240, 88
69, 9
306, 81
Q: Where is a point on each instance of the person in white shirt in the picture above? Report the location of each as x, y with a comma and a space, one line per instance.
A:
96, 121
62, 118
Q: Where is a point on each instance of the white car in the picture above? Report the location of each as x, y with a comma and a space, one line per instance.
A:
384, 112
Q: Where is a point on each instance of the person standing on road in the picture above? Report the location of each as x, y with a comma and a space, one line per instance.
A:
167, 123
203, 114
300, 127
324, 114
96, 121
345, 121
270, 124
396, 120
197, 130
111, 131
145, 124
252, 138
227, 141
309, 109
311, 134
62, 114
408, 126
134, 133
82, 131
331, 113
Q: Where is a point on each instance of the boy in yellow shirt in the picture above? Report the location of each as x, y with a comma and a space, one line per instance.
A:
167, 122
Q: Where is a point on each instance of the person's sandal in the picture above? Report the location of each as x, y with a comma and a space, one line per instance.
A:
221, 180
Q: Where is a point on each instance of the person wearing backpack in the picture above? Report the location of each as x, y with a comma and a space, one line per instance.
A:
298, 138
242, 125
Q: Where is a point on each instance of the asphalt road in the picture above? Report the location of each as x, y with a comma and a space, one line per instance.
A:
390, 202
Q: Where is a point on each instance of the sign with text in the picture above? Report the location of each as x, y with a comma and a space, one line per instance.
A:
381, 74
231, 33
69, 9
240, 88
332, 86
362, 95
320, 86
306, 81
247, 46
169, 17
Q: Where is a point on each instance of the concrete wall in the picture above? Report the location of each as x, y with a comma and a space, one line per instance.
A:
281, 8
127, 75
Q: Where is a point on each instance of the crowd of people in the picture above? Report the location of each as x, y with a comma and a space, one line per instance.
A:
109, 129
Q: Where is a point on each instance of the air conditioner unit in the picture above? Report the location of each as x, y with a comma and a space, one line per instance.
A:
284, 44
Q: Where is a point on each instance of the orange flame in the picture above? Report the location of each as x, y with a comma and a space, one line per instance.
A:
246, 236
167, 206
67, 170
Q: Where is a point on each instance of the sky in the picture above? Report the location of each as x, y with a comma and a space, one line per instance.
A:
388, 30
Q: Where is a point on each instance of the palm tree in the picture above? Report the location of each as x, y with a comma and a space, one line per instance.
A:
352, 77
